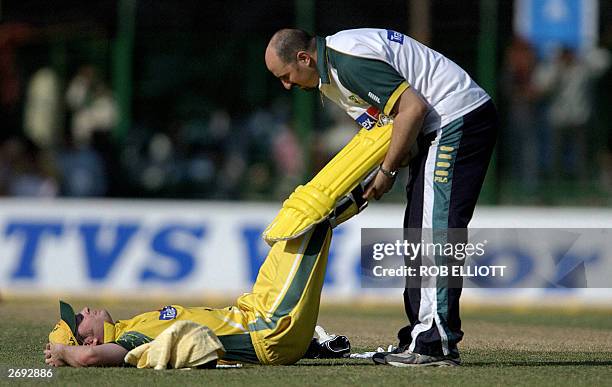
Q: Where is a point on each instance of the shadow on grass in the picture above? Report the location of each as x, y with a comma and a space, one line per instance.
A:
332, 362
521, 363
527, 363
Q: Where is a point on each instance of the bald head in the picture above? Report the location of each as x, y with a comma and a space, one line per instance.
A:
286, 43
291, 56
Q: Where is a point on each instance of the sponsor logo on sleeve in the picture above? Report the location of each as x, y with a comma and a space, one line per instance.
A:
369, 118
167, 313
395, 36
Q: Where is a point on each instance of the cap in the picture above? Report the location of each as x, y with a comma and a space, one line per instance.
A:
64, 331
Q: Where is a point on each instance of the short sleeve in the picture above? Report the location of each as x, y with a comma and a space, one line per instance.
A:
132, 339
372, 80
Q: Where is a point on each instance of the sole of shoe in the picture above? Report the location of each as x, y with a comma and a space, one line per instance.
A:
380, 360
439, 363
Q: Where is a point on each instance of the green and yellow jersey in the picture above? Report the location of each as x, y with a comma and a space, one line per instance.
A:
226, 323
365, 71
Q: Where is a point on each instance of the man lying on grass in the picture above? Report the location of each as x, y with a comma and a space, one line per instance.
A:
274, 324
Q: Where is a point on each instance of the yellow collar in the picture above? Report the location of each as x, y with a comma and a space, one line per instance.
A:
109, 332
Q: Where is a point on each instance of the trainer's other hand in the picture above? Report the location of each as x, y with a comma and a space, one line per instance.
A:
378, 187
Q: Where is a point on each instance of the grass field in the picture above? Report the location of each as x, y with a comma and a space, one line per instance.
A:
546, 347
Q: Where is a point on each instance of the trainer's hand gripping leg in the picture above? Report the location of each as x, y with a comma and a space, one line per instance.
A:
310, 204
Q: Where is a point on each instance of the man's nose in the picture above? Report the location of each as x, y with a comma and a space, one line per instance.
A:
287, 85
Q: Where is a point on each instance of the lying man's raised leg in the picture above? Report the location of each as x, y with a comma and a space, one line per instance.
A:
284, 305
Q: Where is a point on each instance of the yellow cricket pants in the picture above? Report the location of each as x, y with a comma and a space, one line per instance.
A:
274, 324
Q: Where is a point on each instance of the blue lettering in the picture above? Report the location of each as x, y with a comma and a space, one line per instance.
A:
32, 233
257, 249
101, 260
184, 260
329, 277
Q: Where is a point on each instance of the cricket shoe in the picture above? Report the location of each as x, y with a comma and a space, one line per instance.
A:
413, 359
379, 357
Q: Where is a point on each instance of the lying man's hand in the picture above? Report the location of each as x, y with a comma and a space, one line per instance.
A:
53, 355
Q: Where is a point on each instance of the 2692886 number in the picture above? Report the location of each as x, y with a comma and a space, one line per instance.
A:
30, 372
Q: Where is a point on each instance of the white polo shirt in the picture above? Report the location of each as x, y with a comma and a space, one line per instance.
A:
366, 70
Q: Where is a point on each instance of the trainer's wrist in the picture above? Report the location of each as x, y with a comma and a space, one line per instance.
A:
390, 173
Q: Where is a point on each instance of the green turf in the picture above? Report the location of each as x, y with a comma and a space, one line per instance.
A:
501, 347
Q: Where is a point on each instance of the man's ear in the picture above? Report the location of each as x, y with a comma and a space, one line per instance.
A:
303, 57
90, 341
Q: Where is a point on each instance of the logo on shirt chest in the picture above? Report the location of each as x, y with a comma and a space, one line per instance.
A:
167, 313
356, 100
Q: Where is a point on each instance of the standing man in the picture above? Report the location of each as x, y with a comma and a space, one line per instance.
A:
378, 75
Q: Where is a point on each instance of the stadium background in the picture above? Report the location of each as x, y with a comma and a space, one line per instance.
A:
144, 147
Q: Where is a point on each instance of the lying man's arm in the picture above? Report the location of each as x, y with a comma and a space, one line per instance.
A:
109, 354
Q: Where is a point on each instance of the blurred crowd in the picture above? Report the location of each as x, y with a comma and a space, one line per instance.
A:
64, 143
557, 133
60, 140
59, 136
259, 156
